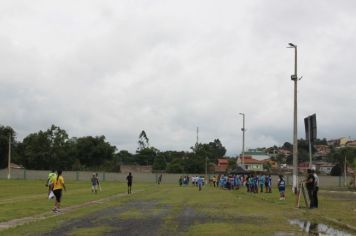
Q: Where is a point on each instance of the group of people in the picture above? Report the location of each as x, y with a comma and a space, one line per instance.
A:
253, 183
259, 183
197, 181
55, 184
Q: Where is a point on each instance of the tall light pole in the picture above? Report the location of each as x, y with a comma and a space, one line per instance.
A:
9, 159
294, 77
243, 140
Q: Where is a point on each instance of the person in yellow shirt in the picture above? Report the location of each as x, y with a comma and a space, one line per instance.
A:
58, 186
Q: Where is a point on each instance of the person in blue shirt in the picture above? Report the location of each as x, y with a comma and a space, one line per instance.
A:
262, 182
200, 182
282, 188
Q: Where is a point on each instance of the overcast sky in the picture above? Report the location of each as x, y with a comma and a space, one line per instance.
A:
115, 68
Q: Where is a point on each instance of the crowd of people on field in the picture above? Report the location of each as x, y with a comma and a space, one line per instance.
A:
253, 183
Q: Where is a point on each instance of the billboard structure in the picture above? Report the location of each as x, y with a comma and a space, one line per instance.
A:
310, 133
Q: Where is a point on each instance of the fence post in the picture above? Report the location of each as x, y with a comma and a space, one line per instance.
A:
77, 175
24, 173
340, 181
104, 176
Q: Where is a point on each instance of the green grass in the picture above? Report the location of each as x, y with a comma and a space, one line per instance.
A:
218, 212
20, 198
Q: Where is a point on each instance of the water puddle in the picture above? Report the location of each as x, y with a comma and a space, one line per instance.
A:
318, 229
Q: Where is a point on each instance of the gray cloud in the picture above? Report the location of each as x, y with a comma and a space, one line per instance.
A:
115, 68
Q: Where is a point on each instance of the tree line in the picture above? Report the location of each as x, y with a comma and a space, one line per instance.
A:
53, 148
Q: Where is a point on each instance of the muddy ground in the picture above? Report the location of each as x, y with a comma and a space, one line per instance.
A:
142, 218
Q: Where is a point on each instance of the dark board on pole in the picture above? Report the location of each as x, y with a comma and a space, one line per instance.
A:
310, 120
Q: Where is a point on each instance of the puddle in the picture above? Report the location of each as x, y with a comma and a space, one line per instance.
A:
318, 229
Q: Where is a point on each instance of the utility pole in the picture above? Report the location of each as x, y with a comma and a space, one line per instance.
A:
243, 140
206, 170
197, 136
345, 171
9, 159
295, 127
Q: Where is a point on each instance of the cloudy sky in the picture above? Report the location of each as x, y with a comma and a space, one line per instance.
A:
115, 68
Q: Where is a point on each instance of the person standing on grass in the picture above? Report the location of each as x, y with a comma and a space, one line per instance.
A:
316, 188
262, 183
160, 179
58, 186
94, 184
129, 183
49, 182
97, 181
310, 184
282, 188
199, 181
269, 183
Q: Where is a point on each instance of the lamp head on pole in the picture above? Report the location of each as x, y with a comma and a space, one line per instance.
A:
291, 45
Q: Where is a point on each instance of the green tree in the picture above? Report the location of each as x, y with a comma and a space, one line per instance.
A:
160, 162
45, 150
176, 166
5, 132
143, 141
146, 156
126, 158
93, 152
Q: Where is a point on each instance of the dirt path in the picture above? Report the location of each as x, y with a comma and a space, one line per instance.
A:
46, 215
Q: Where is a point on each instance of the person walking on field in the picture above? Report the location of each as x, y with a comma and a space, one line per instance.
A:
58, 186
94, 184
49, 182
129, 183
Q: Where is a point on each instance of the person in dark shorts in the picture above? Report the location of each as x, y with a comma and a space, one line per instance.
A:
282, 188
129, 183
310, 184
58, 186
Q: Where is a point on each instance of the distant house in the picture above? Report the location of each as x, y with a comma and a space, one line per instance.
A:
320, 166
15, 166
257, 154
222, 166
135, 169
251, 164
322, 150
351, 144
303, 166
324, 167
285, 152
338, 142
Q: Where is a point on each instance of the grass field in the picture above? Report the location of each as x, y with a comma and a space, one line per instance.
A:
164, 210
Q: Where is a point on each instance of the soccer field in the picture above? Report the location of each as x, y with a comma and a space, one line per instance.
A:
167, 209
